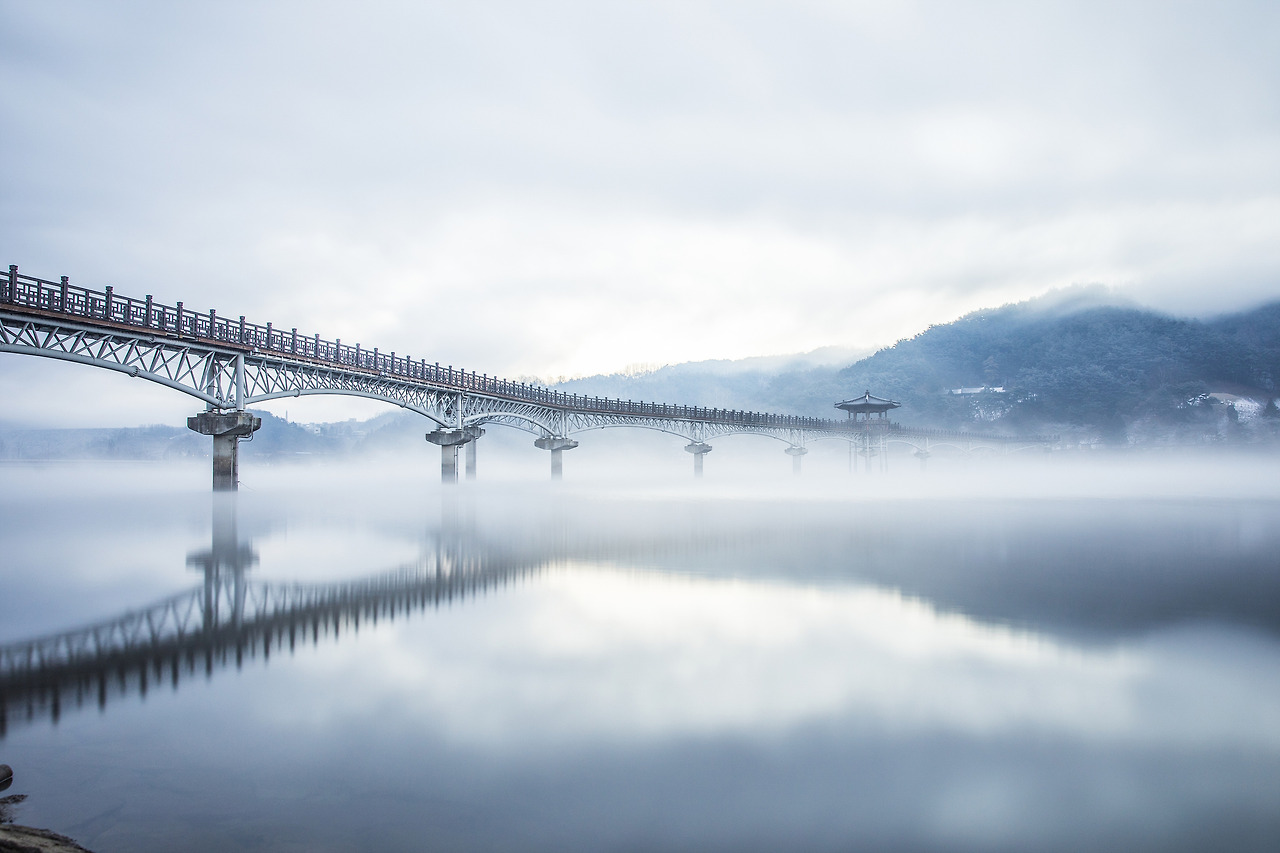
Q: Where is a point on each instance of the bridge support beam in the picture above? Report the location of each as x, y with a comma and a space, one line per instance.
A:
227, 428
449, 440
796, 453
557, 445
699, 449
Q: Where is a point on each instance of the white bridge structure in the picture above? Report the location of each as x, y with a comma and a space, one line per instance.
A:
229, 364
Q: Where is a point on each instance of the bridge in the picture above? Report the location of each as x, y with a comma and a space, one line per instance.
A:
229, 364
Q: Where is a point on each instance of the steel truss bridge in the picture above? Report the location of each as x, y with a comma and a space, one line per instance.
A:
228, 364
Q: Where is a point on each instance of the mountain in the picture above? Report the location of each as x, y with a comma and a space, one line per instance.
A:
1072, 362
751, 384
277, 438
1117, 372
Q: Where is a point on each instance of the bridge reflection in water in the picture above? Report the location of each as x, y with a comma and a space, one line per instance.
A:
229, 617
1144, 569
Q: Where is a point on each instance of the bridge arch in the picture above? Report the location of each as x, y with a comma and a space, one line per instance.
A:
536, 427
687, 436
754, 434
343, 392
128, 370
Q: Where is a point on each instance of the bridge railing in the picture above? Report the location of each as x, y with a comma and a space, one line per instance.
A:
960, 435
62, 297
107, 306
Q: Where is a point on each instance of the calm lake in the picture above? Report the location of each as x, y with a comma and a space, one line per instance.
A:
347, 659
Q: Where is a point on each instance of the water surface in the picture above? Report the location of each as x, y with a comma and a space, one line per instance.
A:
351, 664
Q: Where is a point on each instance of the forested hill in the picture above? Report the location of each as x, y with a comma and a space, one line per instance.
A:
1063, 364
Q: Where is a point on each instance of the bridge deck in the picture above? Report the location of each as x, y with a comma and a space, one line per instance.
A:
152, 324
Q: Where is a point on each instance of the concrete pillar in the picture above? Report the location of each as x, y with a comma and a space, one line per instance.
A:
449, 440
448, 463
923, 454
699, 449
557, 445
796, 454
475, 432
227, 428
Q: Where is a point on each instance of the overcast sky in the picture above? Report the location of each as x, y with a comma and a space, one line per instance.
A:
568, 188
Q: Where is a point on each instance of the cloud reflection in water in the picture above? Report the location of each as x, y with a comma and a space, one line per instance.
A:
693, 675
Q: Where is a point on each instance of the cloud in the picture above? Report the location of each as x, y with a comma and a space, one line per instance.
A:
573, 188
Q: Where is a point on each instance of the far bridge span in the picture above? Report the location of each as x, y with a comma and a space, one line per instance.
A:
229, 364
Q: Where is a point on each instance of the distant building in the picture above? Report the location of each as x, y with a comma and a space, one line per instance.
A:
984, 389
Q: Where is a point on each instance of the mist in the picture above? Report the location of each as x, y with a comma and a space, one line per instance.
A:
1033, 605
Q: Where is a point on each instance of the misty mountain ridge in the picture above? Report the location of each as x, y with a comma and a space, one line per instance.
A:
1081, 362
1078, 362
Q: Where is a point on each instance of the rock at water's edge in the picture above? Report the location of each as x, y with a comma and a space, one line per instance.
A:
26, 839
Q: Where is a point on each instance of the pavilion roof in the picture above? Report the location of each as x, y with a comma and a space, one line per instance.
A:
868, 402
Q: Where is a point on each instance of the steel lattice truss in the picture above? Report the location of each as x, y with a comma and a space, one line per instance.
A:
231, 365
193, 369
209, 373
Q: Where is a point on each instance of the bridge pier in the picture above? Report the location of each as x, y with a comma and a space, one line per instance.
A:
557, 445
227, 428
449, 441
475, 432
922, 453
796, 453
699, 449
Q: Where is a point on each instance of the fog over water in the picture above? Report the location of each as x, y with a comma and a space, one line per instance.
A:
1057, 652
